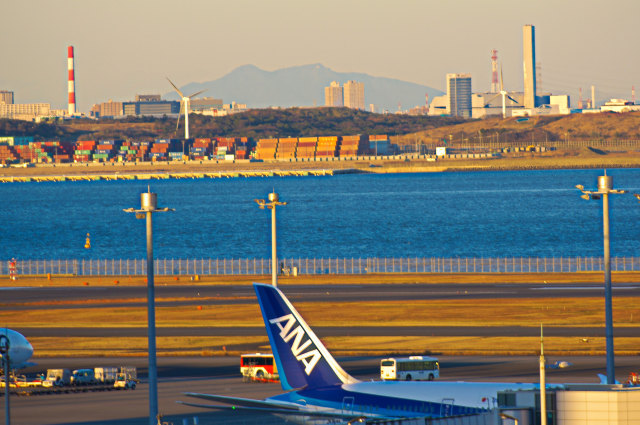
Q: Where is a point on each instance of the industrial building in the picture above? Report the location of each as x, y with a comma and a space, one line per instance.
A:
459, 95
205, 103
163, 107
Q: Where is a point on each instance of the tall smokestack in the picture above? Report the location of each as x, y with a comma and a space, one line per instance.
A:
593, 97
495, 88
72, 82
529, 59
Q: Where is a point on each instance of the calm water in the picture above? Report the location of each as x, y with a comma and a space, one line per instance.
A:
474, 214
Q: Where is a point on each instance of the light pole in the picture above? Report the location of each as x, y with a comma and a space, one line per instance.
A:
149, 205
274, 201
4, 350
605, 187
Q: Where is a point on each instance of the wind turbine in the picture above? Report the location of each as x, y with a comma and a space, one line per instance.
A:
504, 95
184, 103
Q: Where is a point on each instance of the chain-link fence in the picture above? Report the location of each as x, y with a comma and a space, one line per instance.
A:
314, 266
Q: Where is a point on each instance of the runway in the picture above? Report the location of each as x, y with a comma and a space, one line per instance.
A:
323, 331
243, 294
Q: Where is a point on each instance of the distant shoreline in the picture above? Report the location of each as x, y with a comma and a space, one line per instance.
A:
397, 164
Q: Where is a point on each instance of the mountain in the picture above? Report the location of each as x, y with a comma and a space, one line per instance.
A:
302, 85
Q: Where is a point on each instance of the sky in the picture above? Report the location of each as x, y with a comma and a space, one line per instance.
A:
129, 47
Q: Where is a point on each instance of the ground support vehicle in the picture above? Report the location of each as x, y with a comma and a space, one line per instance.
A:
57, 378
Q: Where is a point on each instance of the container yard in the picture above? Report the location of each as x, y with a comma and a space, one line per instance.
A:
15, 150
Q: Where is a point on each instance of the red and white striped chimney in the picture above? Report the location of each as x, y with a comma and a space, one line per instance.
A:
72, 82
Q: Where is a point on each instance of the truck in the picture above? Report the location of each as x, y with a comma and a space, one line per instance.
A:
57, 378
126, 378
105, 375
83, 377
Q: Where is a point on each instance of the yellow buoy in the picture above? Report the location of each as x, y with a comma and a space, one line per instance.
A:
87, 244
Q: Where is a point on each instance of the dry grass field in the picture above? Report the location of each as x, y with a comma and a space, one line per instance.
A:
101, 313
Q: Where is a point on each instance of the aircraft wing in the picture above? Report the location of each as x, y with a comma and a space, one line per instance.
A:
252, 405
241, 402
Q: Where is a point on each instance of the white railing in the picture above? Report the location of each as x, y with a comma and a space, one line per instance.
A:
315, 266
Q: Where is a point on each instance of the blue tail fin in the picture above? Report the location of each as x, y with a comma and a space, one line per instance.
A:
302, 360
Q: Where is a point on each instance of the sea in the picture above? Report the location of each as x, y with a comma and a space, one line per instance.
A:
454, 214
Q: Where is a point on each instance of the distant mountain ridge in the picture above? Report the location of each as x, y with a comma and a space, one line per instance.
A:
303, 85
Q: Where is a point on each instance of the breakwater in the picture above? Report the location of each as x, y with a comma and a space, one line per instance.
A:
170, 175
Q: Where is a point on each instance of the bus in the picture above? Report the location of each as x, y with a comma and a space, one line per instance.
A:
258, 367
410, 368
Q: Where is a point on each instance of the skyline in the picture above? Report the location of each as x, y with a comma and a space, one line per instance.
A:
128, 48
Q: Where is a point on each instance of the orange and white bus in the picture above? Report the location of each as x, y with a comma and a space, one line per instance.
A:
258, 367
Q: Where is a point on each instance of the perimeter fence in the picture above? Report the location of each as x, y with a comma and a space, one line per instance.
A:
318, 266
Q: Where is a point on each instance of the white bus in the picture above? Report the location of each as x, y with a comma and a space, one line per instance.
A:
258, 367
410, 368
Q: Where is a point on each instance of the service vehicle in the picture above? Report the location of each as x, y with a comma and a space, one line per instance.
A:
414, 368
105, 375
258, 367
126, 378
122, 382
57, 378
83, 377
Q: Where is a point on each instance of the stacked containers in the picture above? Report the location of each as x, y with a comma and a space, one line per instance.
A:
83, 150
242, 147
306, 147
326, 146
201, 148
353, 145
225, 147
105, 150
379, 144
7, 154
266, 148
133, 151
287, 148
61, 151
159, 149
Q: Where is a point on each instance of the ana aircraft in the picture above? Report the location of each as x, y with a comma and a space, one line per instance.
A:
316, 386
20, 350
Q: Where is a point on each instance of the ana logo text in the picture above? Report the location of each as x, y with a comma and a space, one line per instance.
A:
309, 358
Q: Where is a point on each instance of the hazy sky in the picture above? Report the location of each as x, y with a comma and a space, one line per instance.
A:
126, 47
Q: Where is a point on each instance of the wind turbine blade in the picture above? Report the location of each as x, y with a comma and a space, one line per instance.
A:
197, 93
178, 120
174, 86
501, 86
512, 99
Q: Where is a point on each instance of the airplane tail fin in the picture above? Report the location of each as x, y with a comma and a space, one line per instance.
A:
302, 359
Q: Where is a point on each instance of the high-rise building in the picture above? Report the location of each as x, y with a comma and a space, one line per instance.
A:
459, 95
6, 97
333, 95
529, 59
354, 95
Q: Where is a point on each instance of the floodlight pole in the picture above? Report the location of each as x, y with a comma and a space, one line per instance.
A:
149, 205
274, 201
605, 187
